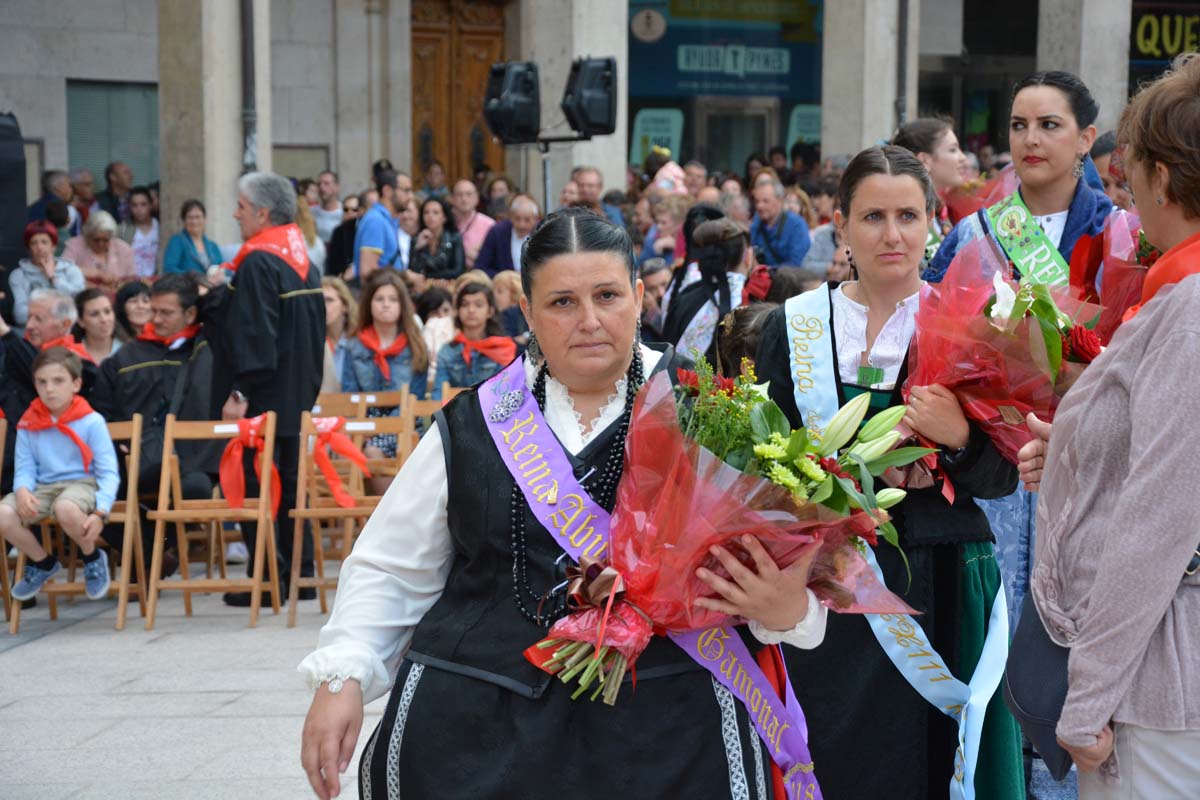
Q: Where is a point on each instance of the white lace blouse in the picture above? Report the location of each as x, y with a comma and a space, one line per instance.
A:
890, 347
401, 561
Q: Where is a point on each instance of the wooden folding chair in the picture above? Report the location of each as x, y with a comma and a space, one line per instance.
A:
124, 513
450, 392
413, 412
339, 404
173, 508
315, 503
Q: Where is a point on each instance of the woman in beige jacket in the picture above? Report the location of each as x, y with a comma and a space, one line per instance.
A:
1116, 576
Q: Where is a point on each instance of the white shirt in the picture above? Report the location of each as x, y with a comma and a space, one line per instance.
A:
515, 243
401, 561
890, 347
145, 250
1053, 225
404, 241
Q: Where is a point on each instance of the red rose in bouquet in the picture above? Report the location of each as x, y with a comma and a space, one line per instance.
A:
677, 499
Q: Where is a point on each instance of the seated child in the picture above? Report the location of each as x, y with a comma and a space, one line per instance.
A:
66, 468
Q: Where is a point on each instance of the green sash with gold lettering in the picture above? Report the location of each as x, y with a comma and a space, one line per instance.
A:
1026, 243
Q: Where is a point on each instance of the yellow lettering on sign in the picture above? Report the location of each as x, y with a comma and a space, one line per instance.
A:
1147, 36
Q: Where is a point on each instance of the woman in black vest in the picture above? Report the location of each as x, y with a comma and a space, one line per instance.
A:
453, 577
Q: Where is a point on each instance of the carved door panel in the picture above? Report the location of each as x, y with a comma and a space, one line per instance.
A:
454, 44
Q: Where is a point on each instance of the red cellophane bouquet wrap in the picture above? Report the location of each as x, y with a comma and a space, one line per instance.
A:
677, 499
1126, 256
1005, 348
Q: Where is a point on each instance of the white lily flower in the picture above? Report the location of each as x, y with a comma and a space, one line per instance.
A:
1006, 298
762, 390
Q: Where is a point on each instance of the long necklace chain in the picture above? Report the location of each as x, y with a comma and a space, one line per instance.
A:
549, 606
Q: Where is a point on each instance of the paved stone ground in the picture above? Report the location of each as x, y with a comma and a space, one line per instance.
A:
201, 707
205, 707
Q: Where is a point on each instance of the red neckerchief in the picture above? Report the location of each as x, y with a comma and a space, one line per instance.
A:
1176, 264
370, 339
500, 349
148, 334
233, 471
69, 343
37, 418
330, 436
757, 284
284, 241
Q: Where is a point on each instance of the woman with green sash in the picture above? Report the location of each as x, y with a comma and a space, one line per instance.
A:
875, 728
1059, 204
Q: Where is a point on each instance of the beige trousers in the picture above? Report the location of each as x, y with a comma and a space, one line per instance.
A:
1153, 765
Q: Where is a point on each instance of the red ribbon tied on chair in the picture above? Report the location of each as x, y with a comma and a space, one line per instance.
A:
330, 437
233, 471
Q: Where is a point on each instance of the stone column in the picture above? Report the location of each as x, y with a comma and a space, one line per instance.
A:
200, 103
553, 33
859, 72
372, 86
1091, 39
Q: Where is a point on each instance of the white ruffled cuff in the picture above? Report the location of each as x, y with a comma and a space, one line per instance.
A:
808, 633
348, 661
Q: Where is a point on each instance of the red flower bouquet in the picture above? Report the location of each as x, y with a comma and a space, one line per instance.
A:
1000, 346
678, 498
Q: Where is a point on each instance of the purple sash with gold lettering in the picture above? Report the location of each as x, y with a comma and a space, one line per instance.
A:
581, 526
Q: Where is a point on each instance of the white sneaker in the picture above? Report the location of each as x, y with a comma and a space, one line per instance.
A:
236, 553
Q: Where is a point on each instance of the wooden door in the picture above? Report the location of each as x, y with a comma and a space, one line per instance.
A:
454, 44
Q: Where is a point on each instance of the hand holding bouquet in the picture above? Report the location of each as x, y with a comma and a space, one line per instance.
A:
705, 466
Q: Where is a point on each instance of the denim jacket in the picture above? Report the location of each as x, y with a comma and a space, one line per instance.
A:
453, 369
359, 373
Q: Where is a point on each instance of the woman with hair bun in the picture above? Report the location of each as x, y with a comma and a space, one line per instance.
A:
1051, 131
820, 350
454, 576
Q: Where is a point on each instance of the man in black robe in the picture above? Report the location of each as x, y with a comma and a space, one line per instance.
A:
166, 370
268, 335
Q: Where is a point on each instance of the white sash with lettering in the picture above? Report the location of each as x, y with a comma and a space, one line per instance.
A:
811, 361
811, 365
907, 645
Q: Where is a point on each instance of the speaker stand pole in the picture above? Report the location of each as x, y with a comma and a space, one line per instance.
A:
543, 144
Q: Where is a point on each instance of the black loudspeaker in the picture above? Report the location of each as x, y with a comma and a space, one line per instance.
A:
12, 204
512, 106
590, 100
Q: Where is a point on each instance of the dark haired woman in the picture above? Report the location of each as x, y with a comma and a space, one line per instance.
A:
454, 576
823, 348
132, 309
479, 348
438, 248
95, 327
190, 250
141, 232
722, 253
1051, 132
934, 144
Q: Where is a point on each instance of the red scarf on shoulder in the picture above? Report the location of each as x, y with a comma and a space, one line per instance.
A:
148, 334
500, 349
37, 418
285, 241
69, 343
1176, 264
370, 339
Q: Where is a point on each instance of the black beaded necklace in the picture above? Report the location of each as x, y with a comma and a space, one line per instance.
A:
551, 605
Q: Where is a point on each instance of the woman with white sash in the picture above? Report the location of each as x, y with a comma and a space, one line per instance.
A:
457, 573
1062, 204
889, 721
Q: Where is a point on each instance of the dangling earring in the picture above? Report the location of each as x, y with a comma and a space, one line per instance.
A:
532, 350
853, 266
637, 335
1078, 171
